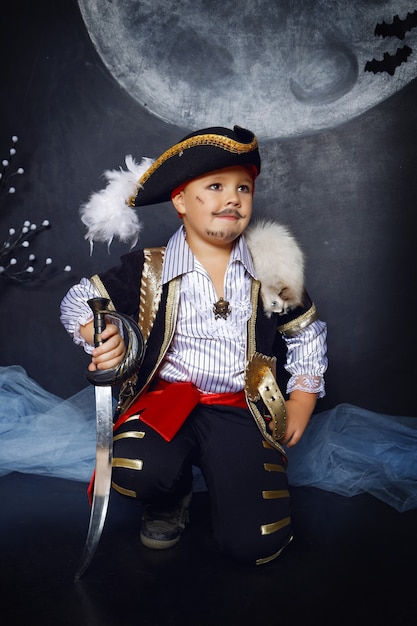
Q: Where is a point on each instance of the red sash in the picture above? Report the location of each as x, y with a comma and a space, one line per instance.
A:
166, 407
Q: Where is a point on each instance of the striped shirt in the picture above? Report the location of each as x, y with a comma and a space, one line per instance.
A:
207, 351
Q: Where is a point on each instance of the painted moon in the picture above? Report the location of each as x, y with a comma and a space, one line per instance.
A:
279, 68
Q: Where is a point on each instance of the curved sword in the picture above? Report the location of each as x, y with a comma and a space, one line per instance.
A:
103, 381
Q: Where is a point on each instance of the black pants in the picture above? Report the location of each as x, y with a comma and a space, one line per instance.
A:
246, 479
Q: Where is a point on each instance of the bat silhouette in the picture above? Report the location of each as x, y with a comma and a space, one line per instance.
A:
389, 62
397, 28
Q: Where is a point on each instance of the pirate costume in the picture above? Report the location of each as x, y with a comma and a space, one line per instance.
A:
206, 392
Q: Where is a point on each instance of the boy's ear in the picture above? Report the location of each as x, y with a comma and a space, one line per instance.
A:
178, 202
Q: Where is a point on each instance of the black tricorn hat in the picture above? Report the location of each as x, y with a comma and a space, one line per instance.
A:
196, 154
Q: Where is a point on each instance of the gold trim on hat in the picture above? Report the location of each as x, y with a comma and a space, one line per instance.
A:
211, 139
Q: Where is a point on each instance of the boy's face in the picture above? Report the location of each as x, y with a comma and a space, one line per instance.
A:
216, 208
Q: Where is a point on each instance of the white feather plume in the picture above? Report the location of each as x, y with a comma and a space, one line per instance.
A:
107, 213
279, 265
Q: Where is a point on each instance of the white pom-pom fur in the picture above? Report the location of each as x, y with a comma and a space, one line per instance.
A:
279, 265
107, 213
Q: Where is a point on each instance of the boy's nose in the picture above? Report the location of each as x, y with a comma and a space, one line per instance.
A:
232, 197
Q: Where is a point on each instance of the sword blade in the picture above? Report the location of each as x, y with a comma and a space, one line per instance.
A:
102, 482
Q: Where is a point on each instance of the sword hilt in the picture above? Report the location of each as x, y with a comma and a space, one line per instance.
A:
98, 307
135, 345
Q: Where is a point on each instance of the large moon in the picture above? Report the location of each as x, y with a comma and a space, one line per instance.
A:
281, 68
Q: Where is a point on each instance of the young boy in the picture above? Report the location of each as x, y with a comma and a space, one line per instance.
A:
210, 305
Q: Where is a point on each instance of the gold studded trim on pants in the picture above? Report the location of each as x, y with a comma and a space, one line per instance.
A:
123, 491
268, 529
268, 559
130, 434
134, 464
274, 494
273, 467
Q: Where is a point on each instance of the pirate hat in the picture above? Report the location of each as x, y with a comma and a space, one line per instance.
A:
196, 154
109, 213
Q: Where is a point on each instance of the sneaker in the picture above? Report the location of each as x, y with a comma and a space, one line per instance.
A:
162, 529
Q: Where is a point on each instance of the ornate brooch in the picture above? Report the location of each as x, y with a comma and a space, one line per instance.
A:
221, 308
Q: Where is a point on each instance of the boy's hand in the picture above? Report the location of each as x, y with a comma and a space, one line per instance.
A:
300, 406
111, 352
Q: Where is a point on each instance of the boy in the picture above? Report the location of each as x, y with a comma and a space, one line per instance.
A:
209, 306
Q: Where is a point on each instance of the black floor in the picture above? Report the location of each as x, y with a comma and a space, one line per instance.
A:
354, 562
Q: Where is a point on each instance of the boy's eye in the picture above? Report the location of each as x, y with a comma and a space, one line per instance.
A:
243, 188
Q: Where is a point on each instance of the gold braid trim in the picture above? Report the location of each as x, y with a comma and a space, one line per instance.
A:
299, 323
217, 141
150, 296
150, 289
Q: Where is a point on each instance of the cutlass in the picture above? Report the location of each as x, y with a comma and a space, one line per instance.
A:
103, 381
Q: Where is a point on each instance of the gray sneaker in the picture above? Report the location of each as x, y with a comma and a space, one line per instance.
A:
162, 529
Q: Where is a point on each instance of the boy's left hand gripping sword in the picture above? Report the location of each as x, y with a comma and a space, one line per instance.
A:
103, 381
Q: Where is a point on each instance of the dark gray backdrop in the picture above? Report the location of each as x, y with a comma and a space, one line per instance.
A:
349, 194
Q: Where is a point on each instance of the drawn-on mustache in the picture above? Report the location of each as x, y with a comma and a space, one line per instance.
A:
233, 212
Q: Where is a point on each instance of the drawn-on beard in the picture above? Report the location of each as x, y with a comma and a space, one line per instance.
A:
223, 234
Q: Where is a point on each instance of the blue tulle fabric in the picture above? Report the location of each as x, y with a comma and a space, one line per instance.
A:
347, 450
41, 433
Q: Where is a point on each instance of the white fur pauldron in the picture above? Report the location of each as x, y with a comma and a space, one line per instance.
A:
279, 266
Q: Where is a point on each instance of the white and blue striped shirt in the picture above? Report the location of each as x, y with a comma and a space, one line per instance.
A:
211, 352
